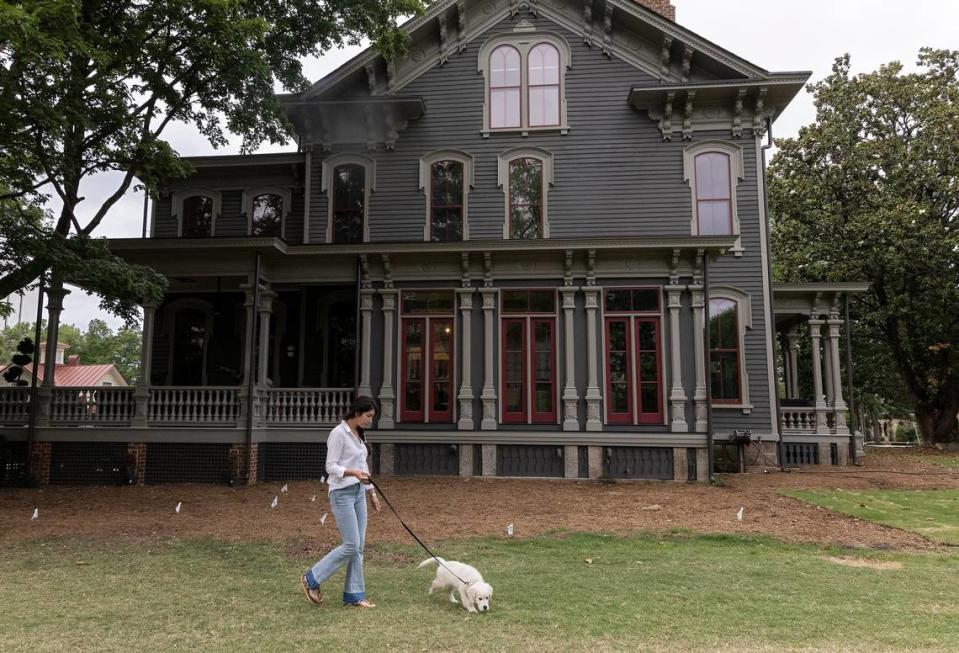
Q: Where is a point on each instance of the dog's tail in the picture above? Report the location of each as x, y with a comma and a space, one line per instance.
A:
428, 562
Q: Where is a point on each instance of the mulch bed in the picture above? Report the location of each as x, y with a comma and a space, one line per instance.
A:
441, 508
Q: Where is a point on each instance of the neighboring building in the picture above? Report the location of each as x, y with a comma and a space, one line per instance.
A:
71, 373
514, 238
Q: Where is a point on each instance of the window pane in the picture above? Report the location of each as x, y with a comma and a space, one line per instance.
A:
446, 224
712, 176
267, 215
526, 181
348, 227
349, 187
414, 397
525, 223
647, 336
544, 65
714, 218
647, 367
649, 398
646, 299
504, 67
543, 106
198, 216
544, 398
617, 300
723, 328
447, 183
617, 366
617, 336
504, 108
724, 376
619, 398
422, 302
542, 301
515, 301
413, 333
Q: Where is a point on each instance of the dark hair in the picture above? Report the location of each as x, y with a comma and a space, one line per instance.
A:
360, 405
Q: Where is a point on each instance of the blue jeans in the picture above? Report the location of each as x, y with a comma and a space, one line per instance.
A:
349, 510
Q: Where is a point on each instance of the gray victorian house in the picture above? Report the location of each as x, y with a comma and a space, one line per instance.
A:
539, 240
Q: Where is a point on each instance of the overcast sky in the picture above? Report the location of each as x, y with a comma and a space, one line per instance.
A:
777, 35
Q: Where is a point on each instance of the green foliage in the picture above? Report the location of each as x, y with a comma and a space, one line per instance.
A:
90, 87
870, 191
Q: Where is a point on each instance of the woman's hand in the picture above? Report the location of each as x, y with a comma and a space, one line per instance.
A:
376, 501
362, 476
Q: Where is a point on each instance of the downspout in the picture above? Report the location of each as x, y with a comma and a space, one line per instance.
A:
32, 415
772, 304
708, 364
251, 366
146, 200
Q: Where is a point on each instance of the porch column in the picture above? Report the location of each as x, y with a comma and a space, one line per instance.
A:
593, 396
465, 395
570, 396
55, 295
814, 327
839, 405
366, 324
142, 393
266, 311
489, 389
248, 334
387, 395
827, 368
792, 354
699, 353
677, 395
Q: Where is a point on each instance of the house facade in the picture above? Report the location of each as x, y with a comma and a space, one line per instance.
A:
539, 240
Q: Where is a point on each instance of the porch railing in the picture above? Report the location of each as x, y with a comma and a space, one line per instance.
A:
199, 405
289, 406
798, 420
14, 405
92, 405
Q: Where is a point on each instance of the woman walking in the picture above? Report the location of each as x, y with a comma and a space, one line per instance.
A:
348, 478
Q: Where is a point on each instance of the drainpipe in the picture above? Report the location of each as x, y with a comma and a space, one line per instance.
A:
772, 304
849, 380
146, 200
708, 365
251, 367
32, 415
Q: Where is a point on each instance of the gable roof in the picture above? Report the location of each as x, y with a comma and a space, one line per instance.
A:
72, 376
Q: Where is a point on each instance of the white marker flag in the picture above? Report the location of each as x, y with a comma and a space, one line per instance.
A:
36, 514
179, 505
276, 502
739, 515
323, 519
284, 489
509, 530
313, 499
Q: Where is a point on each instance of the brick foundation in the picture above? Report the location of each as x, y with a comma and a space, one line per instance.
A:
40, 453
137, 461
237, 462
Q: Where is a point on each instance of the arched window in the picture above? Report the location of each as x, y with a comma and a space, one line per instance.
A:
505, 85
446, 200
724, 351
713, 194
526, 198
198, 215
349, 203
266, 216
543, 86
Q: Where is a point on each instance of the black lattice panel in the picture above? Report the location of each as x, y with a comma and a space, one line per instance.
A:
725, 458
529, 460
582, 454
426, 459
638, 462
192, 462
802, 453
291, 461
13, 464
88, 463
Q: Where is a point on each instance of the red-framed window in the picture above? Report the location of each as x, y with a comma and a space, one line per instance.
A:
634, 383
725, 376
504, 87
528, 343
543, 86
446, 201
526, 198
714, 206
349, 203
427, 351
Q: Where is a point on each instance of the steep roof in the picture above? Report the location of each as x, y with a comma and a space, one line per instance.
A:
72, 376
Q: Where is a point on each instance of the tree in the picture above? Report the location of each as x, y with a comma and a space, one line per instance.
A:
90, 86
870, 191
100, 345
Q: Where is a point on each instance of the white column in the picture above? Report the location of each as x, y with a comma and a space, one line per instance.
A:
366, 327
266, 311
820, 399
570, 396
465, 395
387, 395
793, 355
839, 405
593, 396
489, 389
677, 395
699, 352
142, 393
827, 368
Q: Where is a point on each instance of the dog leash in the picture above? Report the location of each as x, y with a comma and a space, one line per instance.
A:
412, 534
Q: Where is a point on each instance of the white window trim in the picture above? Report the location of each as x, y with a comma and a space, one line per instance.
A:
502, 180
180, 196
524, 42
426, 164
248, 196
329, 165
744, 315
736, 174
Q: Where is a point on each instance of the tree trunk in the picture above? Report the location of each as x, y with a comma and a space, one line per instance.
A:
938, 424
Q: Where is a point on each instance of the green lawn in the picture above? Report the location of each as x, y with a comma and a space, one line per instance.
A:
941, 460
934, 514
681, 593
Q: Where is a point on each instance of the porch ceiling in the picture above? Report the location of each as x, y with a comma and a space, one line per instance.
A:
792, 301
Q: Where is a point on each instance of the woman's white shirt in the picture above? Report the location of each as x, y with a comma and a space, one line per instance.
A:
344, 450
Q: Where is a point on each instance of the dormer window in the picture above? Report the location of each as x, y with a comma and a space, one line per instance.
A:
525, 82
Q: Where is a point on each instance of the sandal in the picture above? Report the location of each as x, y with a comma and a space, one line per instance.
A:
314, 596
362, 603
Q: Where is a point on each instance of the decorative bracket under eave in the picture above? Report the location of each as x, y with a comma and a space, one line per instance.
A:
588, 22
461, 26
664, 57
608, 31
444, 39
688, 116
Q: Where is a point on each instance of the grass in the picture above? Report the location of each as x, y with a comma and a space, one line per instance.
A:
940, 460
679, 593
934, 514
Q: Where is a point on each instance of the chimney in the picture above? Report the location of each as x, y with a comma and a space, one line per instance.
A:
73, 359
662, 7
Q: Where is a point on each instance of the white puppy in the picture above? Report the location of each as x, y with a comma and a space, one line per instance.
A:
474, 592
